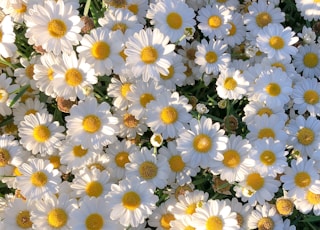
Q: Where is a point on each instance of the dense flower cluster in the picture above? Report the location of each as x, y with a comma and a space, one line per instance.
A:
159, 114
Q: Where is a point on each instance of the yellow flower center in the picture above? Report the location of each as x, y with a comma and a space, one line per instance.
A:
202, 143
263, 19
91, 123
211, 57
133, 8
29, 70
311, 97
174, 20
97, 166
191, 208
239, 219
57, 218
78, 151
55, 161
169, 115
276, 42
149, 55
130, 121
145, 99
125, 88
267, 157
176, 163
284, 206
231, 158
100, 50
266, 111
310, 60
230, 83
119, 26
305, 136
31, 111
148, 170
266, 133
170, 74
214, 223
57, 28
273, 89
39, 179
189, 228
3, 95
313, 198
22, 9
50, 74
23, 219
302, 179
16, 172
233, 29
165, 220
131, 200
94, 221
265, 223
4, 157
214, 21
73, 77
94, 188
255, 181
279, 65
121, 159
41, 133
123, 55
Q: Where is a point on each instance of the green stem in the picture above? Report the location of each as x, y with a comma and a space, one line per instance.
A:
86, 8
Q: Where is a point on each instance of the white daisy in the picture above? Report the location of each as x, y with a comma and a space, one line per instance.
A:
7, 93
211, 57
91, 124
307, 35
161, 218
40, 134
201, 144
101, 49
168, 114
237, 32
54, 25
171, 18
242, 210
149, 167
310, 202
309, 9
38, 179
277, 42
24, 75
149, 54
131, 201
7, 38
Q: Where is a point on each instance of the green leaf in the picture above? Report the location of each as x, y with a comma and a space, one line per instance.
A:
21, 91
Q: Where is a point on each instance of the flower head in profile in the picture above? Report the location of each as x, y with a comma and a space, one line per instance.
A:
7, 38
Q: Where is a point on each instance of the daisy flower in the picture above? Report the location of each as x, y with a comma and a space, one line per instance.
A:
17, 9
53, 212
267, 127
149, 167
213, 21
215, 214
90, 182
236, 160
310, 202
38, 179
7, 93
265, 217
118, 153
310, 9
242, 210
91, 124
17, 215
187, 203
301, 177
184, 223
188, 52
7, 38
307, 60
131, 201
273, 88
140, 94
231, 84
237, 32
181, 172
304, 134
99, 161
277, 42
257, 188
168, 114
149, 54
93, 214
24, 75
54, 25
72, 76
171, 18
261, 14
40, 134
211, 57
270, 156
306, 96
285, 204
307, 35
284, 64
202, 143
101, 49
161, 218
